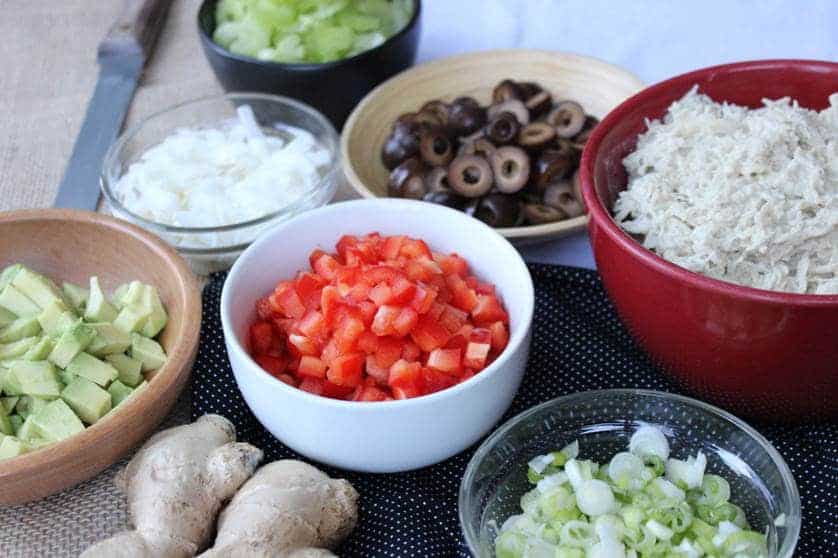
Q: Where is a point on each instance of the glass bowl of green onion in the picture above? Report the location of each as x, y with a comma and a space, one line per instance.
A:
627, 473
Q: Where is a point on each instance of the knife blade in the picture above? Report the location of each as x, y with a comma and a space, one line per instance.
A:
122, 55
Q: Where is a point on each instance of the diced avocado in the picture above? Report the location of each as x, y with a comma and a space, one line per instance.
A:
98, 308
17, 422
20, 328
119, 392
109, 340
17, 349
8, 275
56, 318
28, 405
77, 296
156, 321
37, 378
132, 317
130, 369
73, 341
26, 429
40, 350
57, 421
6, 317
147, 351
8, 403
11, 447
18, 303
90, 367
89, 401
41, 290
5, 424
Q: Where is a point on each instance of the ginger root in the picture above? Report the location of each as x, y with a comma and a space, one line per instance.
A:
175, 486
288, 509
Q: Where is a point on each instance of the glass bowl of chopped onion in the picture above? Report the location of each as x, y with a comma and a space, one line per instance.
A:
625, 473
209, 175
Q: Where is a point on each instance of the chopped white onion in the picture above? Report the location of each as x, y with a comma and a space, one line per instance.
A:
577, 472
539, 463
551, 481
627, 469
649, 441
689, 472
669, 490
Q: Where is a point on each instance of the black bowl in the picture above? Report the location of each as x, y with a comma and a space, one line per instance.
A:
334, 88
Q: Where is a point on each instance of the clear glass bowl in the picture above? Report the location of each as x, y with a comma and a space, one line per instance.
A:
603, 421
215, 248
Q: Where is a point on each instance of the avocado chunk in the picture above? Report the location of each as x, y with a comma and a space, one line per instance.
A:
130, 369
38, 288
20, 328
76, 295
157, 319
40, 350
11, 447
89, 401
147, 351
98, 308
28, 405
18, 303
17, 349
8, 403
6, 317
90, 367
56, 421
73, 341
109, 340
119, 392
5, 424
37, 378
55, 318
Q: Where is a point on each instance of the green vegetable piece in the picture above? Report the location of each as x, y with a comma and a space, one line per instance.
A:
130, 369
11, 447
8, 275
37, 378
17, 422
90, 367
147, 351
8, 383
158, 317
98, 308
73, 341
56, 318
40, 350
20, 328
28, 405
133, 293
26, 431
119, 392
66, 376
18, 303
6, 317
76, 295
38, 288
118, 297
8, 403
89, 401
17, 349
5, 424
109, 340
132, 317
56, 421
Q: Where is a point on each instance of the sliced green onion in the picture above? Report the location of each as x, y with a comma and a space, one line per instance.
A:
649, 441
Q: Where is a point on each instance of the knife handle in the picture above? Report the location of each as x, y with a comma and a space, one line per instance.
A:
137, 28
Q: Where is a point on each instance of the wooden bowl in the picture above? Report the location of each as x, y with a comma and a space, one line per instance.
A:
71, 245
598, 86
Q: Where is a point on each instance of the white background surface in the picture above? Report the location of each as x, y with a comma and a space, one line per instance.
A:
655, 39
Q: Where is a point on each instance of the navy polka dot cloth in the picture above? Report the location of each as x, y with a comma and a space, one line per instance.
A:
414, 514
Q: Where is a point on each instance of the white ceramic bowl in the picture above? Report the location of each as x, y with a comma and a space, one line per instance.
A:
385, 436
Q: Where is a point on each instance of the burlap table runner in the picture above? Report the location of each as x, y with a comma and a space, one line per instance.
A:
47, 74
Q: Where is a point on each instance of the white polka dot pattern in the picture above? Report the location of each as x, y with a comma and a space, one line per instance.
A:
578, 345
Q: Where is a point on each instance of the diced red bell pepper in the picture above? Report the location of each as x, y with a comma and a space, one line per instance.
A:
389, 351
312, 325
453, 265
312, 367
347, 334
433, 380
287, 302
476, 355
488, 310
276, 365
381, 374
347, 370
312, 385
462, 296
429, 334
445, 360
262, 338
411, 351
304, 345
500, 336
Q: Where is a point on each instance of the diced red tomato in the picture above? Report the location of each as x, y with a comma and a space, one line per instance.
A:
262, 338
287, 302
392, 247
481, 335
273, 364
414, 248
335, 391
389, 351
476, 355
312, 367
382, 323
330, 352
406, 379
347, 370
288, 379
453, 265
325, 265
488, 310
462, 296
373, 369
312, 325
411, 351
457, 341
429, 334
367, 342
312, 385
452, 318
309, 286
434, 380
423, 298
405, 322
304, 345
347, 334
445, 360
500, 336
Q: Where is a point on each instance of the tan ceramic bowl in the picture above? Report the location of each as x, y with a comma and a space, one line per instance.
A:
598, 86
71, 246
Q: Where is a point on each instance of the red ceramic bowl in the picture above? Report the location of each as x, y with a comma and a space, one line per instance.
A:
765, 354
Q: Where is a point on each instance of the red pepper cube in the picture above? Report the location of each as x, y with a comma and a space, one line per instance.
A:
312, 385
287, 302
380, 374
423, 298
476, 355
445, 360
311, 367
389, 351
488, 310
312, 325
433, 380
392, 247
411, 351
303, 344
429, 334
452, 265
405, 321
348, 333
462, 296
347, 370
500, 336
276, 365
262, 338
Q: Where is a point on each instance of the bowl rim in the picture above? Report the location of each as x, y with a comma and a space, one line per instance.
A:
516, 338
116, 148
566, 226
789, 483
208, 42
175, 371
602, 218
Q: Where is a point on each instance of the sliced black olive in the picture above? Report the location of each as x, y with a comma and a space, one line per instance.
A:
465, 116
539, 104
502, 128
435, 148
438, 109
568, 117
577, 186
470, 175
448, 199
529, 89
566, 147
511, 167
580, 139
560, 196
407, 180
436, 180
496, 210
536, 135
551, 166
537, 214
394, 152
514, 106
506, 90
480, 146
